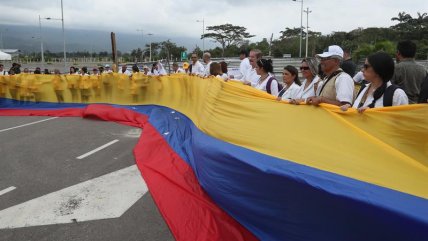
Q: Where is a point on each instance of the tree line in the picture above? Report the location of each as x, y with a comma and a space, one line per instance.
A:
361, 42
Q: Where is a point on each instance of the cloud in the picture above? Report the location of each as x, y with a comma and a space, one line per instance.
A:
178, 18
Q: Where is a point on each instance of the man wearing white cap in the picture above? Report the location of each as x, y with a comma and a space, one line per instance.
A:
337, 87
107, 69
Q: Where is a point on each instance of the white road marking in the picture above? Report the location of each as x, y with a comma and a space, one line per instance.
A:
97, 149
32, 123
9, 189
107, 196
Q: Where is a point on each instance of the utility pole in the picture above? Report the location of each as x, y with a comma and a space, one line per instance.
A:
307, 29
203, 33
301, 25
113, 50
41, 43
63, 37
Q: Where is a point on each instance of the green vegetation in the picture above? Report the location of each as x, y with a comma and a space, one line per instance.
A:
360, 42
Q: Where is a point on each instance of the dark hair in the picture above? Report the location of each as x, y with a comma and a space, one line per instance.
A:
321, 73
135, 68
215, 69
153, 68
223, 67
406, 48
266, 64
294, 72
244, 52
84, 70
383, 65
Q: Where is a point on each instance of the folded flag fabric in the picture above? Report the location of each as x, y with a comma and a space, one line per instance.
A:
226, 162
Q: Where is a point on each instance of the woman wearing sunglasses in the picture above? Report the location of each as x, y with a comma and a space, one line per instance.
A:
379, 92
309, 69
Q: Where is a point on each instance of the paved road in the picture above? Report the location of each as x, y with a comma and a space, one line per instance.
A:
45, 161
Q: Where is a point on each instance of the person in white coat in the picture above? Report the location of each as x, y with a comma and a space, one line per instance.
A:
308, 88
378, 71
251, 77
124, 70
2, 71
206, 57
196, 67
267, 81
290, 76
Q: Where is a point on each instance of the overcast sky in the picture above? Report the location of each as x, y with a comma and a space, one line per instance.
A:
178, 17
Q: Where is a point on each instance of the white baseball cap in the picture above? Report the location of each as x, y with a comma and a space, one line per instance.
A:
107, 66
332, 50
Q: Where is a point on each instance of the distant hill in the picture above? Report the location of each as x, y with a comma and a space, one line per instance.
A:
26, 39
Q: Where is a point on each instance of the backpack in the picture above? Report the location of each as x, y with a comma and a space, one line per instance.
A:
387, 95
270, 82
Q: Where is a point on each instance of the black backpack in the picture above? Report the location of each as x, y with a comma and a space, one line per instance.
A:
270, 82
387, 95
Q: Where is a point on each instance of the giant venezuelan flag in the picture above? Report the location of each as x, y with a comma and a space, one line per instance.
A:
226, 162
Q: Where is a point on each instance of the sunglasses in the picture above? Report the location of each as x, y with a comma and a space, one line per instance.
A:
366, 66
304, 68
326, 58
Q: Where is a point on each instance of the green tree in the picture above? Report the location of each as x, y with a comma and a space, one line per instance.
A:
227, 35
137, 55
170, 50
263, 46
289, 33
411, 28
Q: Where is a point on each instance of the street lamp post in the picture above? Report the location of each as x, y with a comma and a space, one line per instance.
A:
307, 29
41, 43
63, 36
301, 26
203, 33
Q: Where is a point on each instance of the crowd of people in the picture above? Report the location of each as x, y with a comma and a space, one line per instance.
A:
329, 77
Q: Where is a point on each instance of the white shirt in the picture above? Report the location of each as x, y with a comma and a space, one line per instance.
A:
309, 91
207, 69
127, 72
261, 85
198, 69
399, 98
4, 72
244, 67
291, 92
223, 76
359, 77
344, 88
251, 76
179, 70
